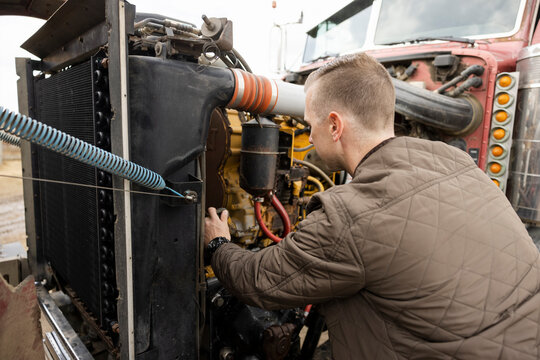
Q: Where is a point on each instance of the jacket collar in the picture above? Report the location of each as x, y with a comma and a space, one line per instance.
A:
384, 142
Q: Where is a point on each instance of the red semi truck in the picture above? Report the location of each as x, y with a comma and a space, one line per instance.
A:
466, 72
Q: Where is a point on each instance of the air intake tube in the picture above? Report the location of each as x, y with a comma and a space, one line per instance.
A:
453, 116
260, 95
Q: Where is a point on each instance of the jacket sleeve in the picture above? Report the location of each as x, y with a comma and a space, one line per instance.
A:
318, 262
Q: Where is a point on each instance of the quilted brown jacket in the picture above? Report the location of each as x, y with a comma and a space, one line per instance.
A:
420, 257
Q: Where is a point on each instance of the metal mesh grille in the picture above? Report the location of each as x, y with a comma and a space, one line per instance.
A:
69, 213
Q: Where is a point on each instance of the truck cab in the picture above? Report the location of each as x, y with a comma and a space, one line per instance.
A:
440, 53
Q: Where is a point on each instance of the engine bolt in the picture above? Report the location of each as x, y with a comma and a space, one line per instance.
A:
208, 22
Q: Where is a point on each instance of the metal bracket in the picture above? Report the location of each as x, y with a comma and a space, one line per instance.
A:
191, 190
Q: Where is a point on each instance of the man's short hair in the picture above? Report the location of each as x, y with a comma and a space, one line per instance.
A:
355, 83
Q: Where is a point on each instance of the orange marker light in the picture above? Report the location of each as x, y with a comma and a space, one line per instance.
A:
505, 81
496, 182
497, 151
503, 99
501, 116
495, 168
499, 134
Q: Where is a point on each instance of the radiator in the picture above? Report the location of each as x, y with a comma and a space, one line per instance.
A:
77, 222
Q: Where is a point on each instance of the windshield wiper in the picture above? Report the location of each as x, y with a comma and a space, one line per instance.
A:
324, 55
431, 38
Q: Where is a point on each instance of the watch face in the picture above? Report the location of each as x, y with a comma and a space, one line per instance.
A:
217, 242
213, 245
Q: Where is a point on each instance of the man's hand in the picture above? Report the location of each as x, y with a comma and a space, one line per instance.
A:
215, 226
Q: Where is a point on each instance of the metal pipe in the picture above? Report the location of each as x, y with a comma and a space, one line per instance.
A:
145, 22
167, 22
316, 169
305, 148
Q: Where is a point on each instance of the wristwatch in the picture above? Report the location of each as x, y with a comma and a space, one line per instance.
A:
212, 247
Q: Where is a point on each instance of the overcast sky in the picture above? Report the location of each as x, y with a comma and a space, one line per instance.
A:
254, 35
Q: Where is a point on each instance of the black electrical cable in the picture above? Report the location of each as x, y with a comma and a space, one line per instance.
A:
242, 60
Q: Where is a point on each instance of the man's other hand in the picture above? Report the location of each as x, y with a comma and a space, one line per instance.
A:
215, 226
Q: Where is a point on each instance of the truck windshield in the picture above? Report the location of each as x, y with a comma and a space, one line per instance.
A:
403, 20
343, 31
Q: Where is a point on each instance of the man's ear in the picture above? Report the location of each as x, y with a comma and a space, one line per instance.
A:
336, 125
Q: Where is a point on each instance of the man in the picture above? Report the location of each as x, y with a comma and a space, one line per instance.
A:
419, 256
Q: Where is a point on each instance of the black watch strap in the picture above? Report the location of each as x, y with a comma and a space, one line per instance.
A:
212, 247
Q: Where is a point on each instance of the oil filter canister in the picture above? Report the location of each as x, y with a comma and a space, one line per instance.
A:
258, 157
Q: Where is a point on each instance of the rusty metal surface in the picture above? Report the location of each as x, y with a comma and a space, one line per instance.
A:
91, 320
218, 151
79, 48
19, 319
42, 9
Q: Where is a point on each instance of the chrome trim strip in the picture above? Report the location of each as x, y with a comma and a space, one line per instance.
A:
529, 52
53, 344
67, 335
529, 86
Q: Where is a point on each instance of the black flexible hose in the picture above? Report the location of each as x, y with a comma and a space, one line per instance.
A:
467, 84
477, 70
455, 116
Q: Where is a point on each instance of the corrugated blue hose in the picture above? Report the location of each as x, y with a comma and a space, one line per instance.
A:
10, 139
62, 143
